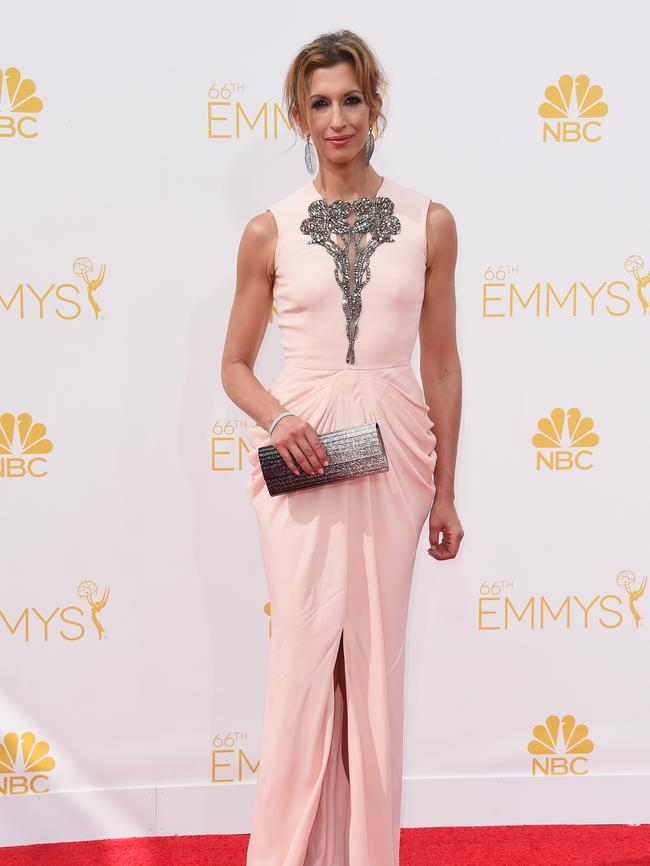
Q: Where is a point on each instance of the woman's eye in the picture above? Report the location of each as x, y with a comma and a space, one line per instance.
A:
320, 102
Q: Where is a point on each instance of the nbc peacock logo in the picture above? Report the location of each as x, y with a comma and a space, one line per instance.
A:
18, 104
564, 440
572, 110
559, 747
24, 764
23, 446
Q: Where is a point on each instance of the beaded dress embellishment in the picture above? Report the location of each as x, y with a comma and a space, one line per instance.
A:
373, 216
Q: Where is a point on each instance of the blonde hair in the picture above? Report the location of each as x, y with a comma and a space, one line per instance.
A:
327, 50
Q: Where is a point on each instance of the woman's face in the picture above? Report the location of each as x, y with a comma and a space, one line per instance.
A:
338, 115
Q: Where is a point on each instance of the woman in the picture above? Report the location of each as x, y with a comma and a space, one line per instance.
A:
339, 557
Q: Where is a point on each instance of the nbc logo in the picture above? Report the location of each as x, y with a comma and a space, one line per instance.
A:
563, 430
577, 98
26, 774
17, 97
23, 446
546, 745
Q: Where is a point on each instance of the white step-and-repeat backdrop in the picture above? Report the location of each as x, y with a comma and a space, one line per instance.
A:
136, 141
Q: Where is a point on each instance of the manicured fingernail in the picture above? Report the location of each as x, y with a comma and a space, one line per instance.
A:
321, 471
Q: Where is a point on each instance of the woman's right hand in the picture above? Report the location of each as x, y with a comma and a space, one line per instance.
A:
298, 442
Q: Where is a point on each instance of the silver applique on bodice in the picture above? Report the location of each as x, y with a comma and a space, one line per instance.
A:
329, 226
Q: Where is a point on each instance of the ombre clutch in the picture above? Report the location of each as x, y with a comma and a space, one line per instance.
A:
352, 452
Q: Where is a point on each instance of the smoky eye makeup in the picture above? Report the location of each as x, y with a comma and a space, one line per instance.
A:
316, 103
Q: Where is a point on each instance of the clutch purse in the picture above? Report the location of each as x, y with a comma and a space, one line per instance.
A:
352, 452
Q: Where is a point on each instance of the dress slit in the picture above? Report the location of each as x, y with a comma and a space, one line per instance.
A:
341, 682
329, 837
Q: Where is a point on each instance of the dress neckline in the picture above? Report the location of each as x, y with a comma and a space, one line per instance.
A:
312, 187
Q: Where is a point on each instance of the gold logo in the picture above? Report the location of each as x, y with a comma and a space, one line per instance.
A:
65, 622
82, 267
26, 455
563, 430
27, 775
499, 611
87, 590
65, 295
17, 97
577, 98
229, 445
546, 743
504, 296
626, 579
228, 759
633, 265
228, 117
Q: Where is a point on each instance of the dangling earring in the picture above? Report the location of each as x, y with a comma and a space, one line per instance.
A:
310, 156
370, 145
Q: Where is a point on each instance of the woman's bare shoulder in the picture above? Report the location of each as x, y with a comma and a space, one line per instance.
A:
258, 244
439, 215
442, 234
261, 228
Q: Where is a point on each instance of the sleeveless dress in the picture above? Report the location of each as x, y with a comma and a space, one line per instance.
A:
339, 557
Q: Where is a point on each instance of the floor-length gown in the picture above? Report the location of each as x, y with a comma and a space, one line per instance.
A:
339, 557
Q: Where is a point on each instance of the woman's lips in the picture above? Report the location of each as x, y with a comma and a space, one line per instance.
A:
340, 140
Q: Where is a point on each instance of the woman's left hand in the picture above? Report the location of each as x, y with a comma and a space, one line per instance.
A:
444, 519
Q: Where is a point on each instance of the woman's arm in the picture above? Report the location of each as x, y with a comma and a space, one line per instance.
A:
296, 440
249, 318
441, 374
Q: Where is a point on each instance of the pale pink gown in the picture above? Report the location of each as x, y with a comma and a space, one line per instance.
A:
339, 558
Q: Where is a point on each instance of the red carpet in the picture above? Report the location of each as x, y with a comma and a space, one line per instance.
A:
561, 845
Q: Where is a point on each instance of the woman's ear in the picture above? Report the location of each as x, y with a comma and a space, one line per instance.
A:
374, 113
298, 120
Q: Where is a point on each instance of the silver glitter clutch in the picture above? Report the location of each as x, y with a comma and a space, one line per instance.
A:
352, 452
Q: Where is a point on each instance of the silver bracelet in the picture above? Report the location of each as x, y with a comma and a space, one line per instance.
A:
279, 418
